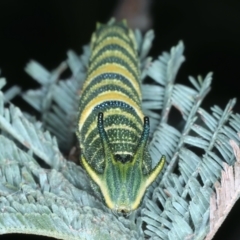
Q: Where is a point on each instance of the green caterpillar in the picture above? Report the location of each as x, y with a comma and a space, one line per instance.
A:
112, 130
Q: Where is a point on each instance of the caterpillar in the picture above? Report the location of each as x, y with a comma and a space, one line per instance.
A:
112, 130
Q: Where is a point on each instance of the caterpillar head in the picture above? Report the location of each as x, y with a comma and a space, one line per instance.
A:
123, 184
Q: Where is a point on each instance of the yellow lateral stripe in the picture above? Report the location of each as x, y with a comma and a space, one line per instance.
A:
114, 68
108, 82
114, 53
108, 96
137, 201
113, 40
109, 113
105, 193
154, 173
97, 178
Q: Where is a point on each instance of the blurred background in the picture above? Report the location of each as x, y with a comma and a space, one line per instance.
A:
210, 29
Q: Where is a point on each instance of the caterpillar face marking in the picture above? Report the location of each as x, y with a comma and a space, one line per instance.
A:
112, 130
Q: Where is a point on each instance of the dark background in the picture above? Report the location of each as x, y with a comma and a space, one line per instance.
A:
210, 30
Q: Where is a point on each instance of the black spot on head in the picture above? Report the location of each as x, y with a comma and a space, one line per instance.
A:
123, 158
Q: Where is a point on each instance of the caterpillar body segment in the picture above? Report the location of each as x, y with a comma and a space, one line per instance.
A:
112, 130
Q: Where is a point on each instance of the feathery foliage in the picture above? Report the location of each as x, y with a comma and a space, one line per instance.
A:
43, 193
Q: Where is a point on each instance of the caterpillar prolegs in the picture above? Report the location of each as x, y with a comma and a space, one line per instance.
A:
112, 130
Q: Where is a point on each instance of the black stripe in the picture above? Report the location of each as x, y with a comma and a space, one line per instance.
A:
110, 60
108, 120
109, 87
115, 132
115, 147
107, 106
114, 47
113, 35
116, 25
113, 76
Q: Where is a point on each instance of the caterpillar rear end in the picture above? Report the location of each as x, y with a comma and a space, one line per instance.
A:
112, 130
